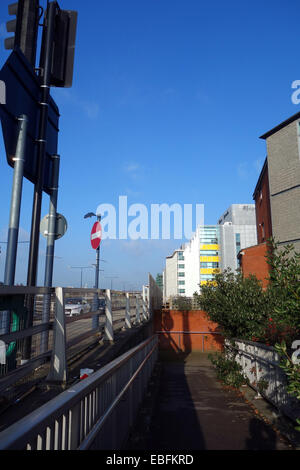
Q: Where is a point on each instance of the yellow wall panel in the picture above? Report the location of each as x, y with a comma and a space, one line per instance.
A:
209, 247
209, 270
202, 283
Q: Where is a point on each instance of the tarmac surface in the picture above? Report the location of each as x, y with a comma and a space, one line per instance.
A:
188, 409
185, 409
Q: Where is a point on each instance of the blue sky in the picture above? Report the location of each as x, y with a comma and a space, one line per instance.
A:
168, 102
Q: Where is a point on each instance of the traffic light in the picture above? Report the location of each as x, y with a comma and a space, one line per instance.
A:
63, 52
64, 48
25, 27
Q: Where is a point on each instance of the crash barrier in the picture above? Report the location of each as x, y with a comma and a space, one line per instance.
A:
47, 327
94, 414
260, 365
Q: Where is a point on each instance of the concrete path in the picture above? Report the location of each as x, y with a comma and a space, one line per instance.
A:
194, 412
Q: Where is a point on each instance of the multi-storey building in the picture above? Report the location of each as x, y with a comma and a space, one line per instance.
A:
159, 280
194, 264
277, 197
209, 252
174, 274
211, 249
283, 157
261, 197
237, 230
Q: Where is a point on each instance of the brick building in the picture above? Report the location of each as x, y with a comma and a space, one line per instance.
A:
283, 161
277, 197
261, 197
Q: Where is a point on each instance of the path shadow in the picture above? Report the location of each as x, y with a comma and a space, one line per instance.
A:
175, 424
262, 436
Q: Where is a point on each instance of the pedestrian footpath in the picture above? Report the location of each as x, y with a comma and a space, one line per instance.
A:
193, 411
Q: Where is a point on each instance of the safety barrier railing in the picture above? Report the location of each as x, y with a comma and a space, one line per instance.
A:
188, 334
20, 338
261, 366
60, 327
96, 413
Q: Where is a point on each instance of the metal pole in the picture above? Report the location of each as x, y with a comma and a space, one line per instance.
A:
58, 372
108, 329
137, 314
144, 304
45, 66
127, 312
50, 250
95, 320
15, 208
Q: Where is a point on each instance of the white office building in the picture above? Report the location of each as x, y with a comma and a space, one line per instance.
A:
237, 230
211, 249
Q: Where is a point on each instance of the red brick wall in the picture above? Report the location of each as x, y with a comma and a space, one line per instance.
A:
169, 323
263, 209
253, 261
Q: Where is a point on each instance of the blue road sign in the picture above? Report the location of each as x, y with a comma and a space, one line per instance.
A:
23, 96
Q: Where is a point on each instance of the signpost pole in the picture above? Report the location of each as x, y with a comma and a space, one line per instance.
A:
50, 250
45, 65
95, 322
15, 207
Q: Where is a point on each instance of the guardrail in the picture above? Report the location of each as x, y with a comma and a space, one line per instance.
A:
260, 365
96, 413
189, 334
54, 337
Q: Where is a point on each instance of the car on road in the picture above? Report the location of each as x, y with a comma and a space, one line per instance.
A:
101, 305
76, 306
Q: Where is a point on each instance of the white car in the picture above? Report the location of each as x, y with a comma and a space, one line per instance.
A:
76, 306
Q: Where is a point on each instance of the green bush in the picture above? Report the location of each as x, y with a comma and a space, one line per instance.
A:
237, 304
243, 309
228, 371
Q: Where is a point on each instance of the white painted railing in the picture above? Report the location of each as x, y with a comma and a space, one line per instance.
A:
260, 364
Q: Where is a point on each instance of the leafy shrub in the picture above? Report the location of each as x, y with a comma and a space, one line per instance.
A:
243, 309
237, 304
227, 370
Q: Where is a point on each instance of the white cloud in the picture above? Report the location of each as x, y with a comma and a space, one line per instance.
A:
133, 170
88, 107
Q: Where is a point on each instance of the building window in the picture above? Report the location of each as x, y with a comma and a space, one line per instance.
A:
180, 256
181, 291
181, 274
263, 231
207, 277
181, 266
181, 283
238, 242
213, 265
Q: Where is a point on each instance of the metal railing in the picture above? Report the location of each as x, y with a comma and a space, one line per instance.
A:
260, 365
54, 337
180, 334
96, 413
